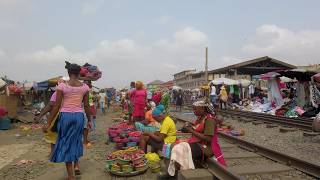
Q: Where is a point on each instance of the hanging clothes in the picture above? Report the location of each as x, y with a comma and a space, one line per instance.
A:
300, 94
307, 92
314, 95
274, 94
231, 89
251, 89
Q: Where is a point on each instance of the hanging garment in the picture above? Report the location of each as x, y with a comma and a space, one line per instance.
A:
181, 153
301, 94
307, 92
251, 89
314, 95
274, 94
231, 89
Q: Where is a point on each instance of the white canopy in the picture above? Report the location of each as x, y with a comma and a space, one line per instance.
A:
225, 81
244, 82
195, 90
176, 87
286, 79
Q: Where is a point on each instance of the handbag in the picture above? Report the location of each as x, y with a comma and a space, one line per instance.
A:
54, 124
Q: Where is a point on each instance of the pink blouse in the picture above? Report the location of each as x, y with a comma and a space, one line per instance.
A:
72, 97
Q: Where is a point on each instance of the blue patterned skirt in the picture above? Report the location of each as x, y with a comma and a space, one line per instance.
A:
69, 147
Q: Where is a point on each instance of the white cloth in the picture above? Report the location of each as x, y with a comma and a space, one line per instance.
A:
181, 153
274, 94
251, 89
213, 91
153, 105
102, 97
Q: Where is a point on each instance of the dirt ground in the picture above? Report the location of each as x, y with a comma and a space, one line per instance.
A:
17, 145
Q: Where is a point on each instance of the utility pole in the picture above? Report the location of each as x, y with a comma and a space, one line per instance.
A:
206, 77
206, 67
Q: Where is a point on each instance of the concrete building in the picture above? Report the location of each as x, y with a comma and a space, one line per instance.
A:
167, 85
154, 85
182, 78
314, 67
189, 79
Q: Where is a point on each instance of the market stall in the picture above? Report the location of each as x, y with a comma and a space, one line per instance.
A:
291, 93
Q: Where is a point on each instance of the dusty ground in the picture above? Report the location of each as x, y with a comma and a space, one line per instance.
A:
17, 145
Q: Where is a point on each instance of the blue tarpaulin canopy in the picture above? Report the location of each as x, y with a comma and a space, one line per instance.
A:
44, 85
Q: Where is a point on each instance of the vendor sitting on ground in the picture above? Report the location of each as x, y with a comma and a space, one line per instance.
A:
204, 140
166, 135
149, 124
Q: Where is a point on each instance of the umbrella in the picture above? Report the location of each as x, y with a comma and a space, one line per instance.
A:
286, 79
269, 75
195, 90
244, 82
225, 81
176, 87
316, 77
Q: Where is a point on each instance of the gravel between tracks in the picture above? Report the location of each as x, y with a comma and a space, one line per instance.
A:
290, 143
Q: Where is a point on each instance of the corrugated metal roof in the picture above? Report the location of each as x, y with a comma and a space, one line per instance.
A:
238, 65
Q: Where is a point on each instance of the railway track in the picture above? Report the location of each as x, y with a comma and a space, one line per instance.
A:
300, 123
250, 161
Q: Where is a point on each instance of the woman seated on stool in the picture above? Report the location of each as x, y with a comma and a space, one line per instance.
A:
149, 124
166, 135
204, 140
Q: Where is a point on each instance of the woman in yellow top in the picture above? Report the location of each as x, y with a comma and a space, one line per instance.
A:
166, 135
223, 96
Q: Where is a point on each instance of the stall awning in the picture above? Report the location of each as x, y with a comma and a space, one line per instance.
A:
48, 83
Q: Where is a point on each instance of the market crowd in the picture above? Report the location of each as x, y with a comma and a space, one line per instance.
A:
73, 108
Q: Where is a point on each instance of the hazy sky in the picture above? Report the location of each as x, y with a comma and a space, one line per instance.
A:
148, 39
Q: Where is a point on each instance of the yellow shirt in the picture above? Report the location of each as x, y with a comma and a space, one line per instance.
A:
168, 127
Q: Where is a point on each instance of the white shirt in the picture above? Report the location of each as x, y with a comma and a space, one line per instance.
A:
213, 91
102, 97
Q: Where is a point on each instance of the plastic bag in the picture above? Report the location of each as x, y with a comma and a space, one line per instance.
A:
154, 157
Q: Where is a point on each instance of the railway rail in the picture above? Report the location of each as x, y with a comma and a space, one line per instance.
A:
300, 123
247, 160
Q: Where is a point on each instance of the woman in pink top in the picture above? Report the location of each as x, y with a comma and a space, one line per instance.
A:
70, 97
139, 96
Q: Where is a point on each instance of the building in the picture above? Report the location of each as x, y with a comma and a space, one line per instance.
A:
189, 79
247, 69
167, 85
154, 85
314, 67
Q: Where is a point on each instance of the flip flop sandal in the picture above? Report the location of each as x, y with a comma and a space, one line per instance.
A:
77, 172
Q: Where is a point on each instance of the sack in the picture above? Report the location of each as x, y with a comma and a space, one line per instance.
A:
224, 98
316, 123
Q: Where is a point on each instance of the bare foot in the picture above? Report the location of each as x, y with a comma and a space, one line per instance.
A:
87, 145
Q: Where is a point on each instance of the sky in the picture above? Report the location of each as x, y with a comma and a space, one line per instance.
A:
145, 40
